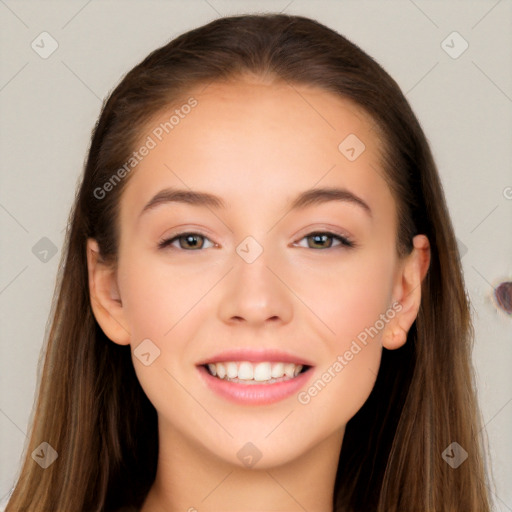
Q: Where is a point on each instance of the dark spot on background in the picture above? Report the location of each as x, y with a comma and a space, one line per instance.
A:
503, 294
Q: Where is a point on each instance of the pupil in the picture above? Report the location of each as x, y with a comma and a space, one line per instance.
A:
191, 240
317, 237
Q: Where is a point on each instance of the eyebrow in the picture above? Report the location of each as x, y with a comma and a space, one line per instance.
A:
304, 199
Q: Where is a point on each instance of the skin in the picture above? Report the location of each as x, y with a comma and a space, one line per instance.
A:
266, 142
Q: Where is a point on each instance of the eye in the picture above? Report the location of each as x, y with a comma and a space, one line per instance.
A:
322, 238
193, 241
187, 241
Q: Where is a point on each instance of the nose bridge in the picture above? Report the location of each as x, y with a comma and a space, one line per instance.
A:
255, 293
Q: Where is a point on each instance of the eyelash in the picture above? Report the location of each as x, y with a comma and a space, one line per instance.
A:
345, 242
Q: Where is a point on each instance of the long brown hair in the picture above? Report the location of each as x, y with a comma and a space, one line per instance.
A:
91, 408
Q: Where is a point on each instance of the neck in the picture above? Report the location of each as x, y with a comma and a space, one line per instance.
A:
190, 478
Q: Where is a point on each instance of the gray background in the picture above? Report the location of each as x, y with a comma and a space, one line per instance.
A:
49, 106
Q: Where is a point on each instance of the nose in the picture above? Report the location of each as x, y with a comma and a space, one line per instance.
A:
256, 293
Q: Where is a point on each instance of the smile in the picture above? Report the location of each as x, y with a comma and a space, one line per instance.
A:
255, 383
248, 373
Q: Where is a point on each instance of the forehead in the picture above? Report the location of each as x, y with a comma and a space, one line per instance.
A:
248, 139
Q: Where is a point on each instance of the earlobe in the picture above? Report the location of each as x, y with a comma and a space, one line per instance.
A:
106, 301
408, 293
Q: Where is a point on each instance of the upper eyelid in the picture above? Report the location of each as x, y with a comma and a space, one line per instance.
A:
344, 239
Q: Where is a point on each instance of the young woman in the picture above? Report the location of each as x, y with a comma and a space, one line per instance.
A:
260, 305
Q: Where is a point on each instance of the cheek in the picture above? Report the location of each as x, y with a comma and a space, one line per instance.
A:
350, 297
355, 303
157, 296
160, 307
148, 312
347, 374
340, 388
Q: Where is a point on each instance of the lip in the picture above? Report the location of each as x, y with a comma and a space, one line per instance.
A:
255, 394
255, 356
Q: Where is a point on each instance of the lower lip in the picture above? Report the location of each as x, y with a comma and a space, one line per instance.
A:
255, 394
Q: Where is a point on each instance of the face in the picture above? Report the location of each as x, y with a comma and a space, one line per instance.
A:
293, 299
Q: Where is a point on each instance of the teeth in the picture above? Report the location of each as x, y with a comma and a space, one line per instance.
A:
277, 370
231, 370
259, 372
289, 369
262, 372
245, 371
221, 371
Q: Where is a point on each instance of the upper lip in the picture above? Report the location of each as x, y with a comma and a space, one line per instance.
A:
255, 356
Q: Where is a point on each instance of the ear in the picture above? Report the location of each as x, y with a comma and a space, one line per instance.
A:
407, 291
105, 298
